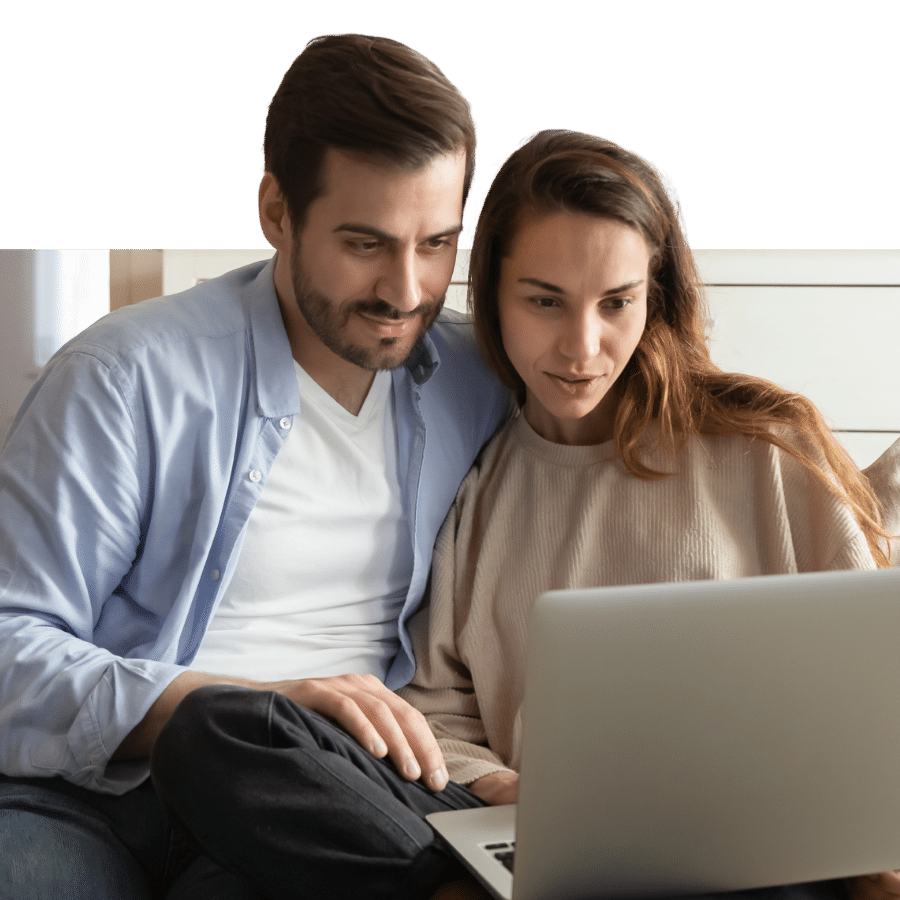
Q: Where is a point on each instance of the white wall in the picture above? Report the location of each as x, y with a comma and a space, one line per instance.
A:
47, 297
17, 366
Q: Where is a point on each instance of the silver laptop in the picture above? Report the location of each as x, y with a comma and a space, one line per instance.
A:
703, 736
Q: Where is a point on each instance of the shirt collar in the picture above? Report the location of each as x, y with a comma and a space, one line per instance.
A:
424, 360
277, 393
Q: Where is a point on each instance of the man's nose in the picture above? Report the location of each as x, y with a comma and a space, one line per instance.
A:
400, 284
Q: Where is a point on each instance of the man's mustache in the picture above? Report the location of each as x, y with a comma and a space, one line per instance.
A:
383, 310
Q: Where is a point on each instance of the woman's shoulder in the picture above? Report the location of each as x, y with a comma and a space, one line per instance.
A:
490, 460
778, 444
783, 462
791, 504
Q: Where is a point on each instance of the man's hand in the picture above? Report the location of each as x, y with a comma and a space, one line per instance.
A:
883, 886
497, 789
377, 718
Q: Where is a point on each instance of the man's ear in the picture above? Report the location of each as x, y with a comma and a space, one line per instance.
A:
273, 214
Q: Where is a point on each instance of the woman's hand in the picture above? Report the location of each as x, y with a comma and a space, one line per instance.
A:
883, 886
497, 789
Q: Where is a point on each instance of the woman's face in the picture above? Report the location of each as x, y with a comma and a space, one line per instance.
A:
572, 301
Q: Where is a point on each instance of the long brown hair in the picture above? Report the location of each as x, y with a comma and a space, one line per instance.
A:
670, 379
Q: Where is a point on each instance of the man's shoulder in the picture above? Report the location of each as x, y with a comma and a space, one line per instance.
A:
454, 335
453, 321
455, 354
211, 309
462, 387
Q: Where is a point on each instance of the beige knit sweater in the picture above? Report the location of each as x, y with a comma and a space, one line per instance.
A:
532, 515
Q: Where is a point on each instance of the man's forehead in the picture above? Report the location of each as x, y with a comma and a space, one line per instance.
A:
363, 191
339, 165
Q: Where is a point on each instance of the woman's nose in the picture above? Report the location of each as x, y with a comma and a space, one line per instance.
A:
580, 339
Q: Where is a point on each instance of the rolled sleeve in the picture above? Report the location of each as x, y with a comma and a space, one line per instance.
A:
71, 496
75, 705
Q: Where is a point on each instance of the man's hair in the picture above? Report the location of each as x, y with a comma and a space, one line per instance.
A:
370, 97
670, 382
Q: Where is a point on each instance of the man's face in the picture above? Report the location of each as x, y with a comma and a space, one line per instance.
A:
372, 263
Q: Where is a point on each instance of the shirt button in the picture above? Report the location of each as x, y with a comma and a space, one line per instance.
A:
285, 423
256, 476
214, 574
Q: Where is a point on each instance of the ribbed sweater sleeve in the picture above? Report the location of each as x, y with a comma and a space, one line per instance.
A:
533, 516
884, 476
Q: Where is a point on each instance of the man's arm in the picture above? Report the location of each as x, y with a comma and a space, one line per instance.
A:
375, 716
70, 527
86, 667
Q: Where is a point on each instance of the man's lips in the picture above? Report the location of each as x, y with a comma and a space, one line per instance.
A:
388, 325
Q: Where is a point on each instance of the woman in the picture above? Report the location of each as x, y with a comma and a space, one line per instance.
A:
634, 458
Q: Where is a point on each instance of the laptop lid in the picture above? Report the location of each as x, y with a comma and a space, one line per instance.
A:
710, 736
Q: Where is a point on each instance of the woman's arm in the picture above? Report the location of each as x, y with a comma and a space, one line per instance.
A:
443, 689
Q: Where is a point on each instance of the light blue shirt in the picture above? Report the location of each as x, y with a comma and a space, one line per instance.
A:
126, 483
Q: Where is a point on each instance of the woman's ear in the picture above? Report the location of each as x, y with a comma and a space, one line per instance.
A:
273, 214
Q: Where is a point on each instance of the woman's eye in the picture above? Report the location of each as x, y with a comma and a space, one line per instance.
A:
617, 302
544, 302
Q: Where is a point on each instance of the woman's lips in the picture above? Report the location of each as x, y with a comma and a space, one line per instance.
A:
572, 382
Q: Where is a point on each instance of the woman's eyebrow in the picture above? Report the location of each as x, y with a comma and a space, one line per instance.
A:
543, 285
546, 286
625, 287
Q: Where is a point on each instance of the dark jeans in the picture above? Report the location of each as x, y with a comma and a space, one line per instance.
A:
62, 842
285, 799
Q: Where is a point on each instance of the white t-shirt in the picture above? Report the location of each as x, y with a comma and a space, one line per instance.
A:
327, 553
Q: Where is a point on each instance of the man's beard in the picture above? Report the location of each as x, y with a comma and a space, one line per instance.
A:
329, 322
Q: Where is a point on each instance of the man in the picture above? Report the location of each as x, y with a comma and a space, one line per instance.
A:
242, 484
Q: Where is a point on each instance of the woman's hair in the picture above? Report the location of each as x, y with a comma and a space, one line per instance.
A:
670, 379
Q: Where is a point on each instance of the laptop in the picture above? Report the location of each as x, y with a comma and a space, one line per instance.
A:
701, 736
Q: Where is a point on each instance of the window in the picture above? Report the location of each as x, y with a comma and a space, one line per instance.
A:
71, 290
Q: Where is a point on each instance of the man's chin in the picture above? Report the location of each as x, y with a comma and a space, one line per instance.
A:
394, 353
389, 353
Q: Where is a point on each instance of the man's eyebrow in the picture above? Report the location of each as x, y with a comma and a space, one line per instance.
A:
372, 231
554, 289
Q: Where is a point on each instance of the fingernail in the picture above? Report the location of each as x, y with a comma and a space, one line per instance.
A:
379, 748
438, 779
411, 768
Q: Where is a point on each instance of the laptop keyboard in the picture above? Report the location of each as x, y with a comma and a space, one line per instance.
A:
504, 852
